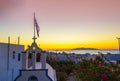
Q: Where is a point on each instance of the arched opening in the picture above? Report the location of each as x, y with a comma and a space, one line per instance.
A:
33, 78
30, 56
29, 60
38, 56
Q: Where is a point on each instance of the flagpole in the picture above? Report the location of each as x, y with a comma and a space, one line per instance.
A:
18, 40
34, 38
8, 50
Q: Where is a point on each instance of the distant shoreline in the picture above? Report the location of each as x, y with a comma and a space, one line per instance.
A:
106, 51
81, 49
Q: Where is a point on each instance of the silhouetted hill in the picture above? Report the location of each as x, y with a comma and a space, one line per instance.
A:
85, 49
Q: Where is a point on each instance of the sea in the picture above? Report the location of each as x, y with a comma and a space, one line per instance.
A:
87, 51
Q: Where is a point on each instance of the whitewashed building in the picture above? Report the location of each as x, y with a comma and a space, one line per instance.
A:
17, 64
10, 61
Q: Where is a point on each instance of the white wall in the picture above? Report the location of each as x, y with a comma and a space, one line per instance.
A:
14, 64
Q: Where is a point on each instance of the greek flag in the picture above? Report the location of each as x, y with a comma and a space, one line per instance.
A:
36, 26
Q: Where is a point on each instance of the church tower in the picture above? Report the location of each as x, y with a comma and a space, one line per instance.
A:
34, 66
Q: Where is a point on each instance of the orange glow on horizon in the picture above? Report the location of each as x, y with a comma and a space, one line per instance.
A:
69, 46
46, 45
97, 45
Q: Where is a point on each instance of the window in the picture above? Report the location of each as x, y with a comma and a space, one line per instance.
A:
38, 57
13, 54
19, 57
33, 78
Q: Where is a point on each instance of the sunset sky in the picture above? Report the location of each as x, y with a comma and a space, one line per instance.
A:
64, 24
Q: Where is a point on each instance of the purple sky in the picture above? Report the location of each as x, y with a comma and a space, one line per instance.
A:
77, 23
